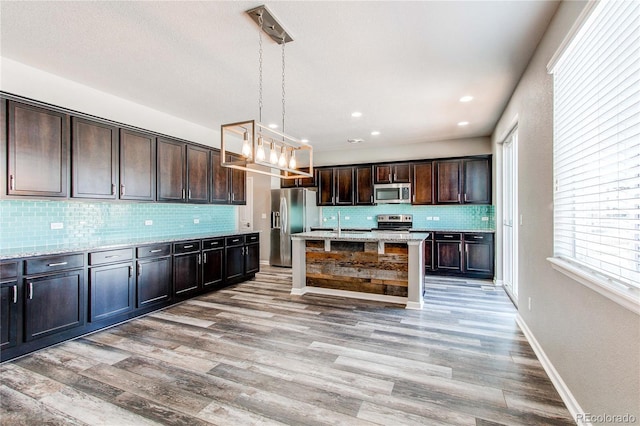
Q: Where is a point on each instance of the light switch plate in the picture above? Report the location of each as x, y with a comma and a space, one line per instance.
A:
196, 221
57, 225
148, 222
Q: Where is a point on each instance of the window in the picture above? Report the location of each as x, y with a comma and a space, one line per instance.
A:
597, 147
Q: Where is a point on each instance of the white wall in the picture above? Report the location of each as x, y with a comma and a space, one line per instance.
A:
593, 343
435, 149
29, 82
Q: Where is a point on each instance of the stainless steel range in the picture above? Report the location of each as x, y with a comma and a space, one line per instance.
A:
394, 222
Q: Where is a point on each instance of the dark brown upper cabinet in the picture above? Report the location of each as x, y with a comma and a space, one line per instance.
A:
463, 181
364, 185
37, 150
326, 193
335, 186
228, 186
197, 174
422, 183
137, 166
303, 182
171, 171
94, 159
344, 186
392, 173
477, 181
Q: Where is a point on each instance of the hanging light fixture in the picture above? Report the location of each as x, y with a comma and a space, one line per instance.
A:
249, 137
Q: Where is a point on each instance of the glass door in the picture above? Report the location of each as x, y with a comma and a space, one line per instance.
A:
510, 214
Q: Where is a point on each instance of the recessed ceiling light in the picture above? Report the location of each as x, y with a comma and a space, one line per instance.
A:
304, 140
356, 114
273, 126
466, 98
463, 123
355, 140
375, 133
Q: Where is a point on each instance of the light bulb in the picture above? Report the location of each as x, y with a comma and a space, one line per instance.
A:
260, 156
273, 157
282, 162
246, 147
292, 160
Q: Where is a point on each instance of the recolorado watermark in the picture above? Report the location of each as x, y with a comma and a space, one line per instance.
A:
582, 418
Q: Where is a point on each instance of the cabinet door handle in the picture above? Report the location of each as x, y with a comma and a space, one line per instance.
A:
12, 182
465, 196
205, 257
113, 189
372, 199
130, 271
199, 260
188, 246
477, 237
236, 240
229, 197
458, 197
183, 193
395, 176
122, 190
414, 198
448, 236
189, 194
30, 291
139, 269
155, 251
57, 264
113, 256
15, 294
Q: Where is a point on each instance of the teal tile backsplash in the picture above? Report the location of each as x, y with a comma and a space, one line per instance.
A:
28, 223
465, 217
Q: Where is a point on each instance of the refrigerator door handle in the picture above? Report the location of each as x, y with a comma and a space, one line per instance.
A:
283, 215
275, 220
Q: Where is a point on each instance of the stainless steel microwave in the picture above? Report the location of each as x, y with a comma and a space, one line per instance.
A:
392, 193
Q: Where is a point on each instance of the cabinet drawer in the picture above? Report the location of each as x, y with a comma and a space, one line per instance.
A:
53, 263
109, 256
448, 236
212, 244
8, 270
480, 237
252, 238
186, 247
153, 251
234, 241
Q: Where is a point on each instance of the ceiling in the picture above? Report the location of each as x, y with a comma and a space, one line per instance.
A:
403, 65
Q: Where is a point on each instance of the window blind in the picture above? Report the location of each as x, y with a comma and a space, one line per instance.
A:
596, 152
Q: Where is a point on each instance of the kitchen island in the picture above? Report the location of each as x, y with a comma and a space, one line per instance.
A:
376, 265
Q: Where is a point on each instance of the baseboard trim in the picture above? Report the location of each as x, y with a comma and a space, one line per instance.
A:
562, 388
498, 283
349, 294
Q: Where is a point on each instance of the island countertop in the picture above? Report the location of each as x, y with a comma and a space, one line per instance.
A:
366, 236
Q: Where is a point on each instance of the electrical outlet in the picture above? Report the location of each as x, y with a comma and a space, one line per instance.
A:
196, 221
57, 225
369, 217
263, 216
529, 303
436, 218
485, 219
429, 217
148, 222
346, 218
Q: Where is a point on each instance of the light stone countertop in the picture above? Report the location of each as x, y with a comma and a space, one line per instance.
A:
62, 248
371, 236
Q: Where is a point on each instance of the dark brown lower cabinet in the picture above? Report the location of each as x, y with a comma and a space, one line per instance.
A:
186, 273
448, 256
111, 291
479, 254
252, 259
9, 314
242, 254
154, 281
234, 265
466, 254
428, 254
54, 303
212, 267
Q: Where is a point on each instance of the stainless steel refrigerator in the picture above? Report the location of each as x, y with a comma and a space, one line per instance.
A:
292, 210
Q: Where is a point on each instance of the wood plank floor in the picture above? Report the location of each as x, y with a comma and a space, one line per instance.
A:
254, 354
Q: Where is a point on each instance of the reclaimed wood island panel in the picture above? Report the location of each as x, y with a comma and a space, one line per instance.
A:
368, 265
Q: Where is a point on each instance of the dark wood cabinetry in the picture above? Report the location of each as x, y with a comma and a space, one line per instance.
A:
479, 254
305, 182
137, 166
54, 303
428, 253
171, 165
463, 181
111, 290
335, 186
154, 274
392, 173
228, 186
363, 185
422, 183
187, 261
94, 159
197, 174
212, 262
448, 249
10, 305
242, 255
37, 151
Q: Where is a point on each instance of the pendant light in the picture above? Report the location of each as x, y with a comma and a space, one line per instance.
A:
253, 135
